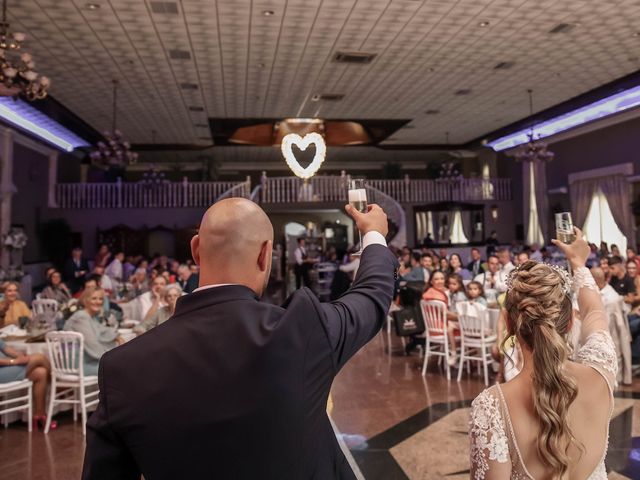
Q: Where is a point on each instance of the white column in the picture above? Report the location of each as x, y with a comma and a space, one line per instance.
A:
53, 179
7, 188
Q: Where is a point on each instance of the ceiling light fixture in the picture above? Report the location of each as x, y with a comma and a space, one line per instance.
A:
484, 24
93, 6
26, 117
303, 143
18, 75
533, 150
116, 152
268, 13
611, 105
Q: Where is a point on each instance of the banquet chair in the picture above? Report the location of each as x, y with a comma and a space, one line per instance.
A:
44, 305
476, 338
66, 352
13, 399
434, 313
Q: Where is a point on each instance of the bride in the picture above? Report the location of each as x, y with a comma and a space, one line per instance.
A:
552, 420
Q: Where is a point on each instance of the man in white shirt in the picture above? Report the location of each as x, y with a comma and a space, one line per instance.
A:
504, 257
151, 301
493, 280
607, 292
302, 265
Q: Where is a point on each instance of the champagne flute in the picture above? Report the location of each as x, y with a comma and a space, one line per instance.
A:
358, 200
564, 231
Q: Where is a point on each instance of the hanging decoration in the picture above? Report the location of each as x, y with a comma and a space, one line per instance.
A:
115, 152
303, 143
17, 72
534, 150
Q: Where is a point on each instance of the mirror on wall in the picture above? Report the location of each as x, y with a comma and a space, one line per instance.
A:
449, 224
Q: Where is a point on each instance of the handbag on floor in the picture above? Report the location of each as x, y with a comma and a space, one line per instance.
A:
408, 321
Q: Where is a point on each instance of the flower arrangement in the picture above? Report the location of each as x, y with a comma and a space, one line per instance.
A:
69, 308
15, 239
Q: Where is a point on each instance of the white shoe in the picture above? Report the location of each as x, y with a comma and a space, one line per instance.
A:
452, 360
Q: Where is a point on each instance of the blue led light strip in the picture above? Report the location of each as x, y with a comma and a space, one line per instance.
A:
602, 108
26, 117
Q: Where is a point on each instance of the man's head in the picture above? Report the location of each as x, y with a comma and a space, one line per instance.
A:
98, 270
504, 256
119, 256
475, 254
493, 263
616, 267
184, 272
301, 242
426, 261
76, 253
158, 284
599, 276
522, 257
234, 245
415, 260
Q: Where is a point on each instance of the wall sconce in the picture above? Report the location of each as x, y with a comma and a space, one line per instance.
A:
494, 212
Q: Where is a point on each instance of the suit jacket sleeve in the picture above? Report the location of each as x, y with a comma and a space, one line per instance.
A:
355, 318
106, 456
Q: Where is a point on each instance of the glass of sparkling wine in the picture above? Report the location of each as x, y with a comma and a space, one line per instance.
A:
564, 227
358, 200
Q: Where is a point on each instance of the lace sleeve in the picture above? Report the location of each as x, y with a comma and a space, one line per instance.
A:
592, 314
599, 352
488, 437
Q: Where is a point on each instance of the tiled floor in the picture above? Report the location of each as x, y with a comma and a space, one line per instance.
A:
399, 424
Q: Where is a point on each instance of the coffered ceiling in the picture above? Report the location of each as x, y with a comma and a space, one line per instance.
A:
180, 63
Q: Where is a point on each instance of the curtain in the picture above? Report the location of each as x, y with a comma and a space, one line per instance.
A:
542, 199
457, 230
534, 233
617, 191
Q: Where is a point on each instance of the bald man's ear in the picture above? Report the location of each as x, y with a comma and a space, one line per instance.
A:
195, 249
264, 259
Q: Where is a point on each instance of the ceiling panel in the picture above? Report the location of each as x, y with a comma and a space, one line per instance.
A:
250, 64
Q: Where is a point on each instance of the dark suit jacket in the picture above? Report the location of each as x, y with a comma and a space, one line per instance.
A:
480, 268
69, 274
191, 284
234, 388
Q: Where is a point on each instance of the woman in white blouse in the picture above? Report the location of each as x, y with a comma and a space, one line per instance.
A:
552, 420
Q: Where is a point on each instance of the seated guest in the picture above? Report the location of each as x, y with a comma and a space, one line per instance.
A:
151, 301
188, 281
535, 253
419, 271
475, 265
56, 289
104, 282
169, 295
504, 257
443, 263
632, 271
475, 293
14, 366
456, 268
75, 269
615, 251
98, 337
128, 267
437, 291
12, 309
457, 292
604, 265
620, 281
604, 250
115, 269
139, 282
414, 261
493, 281
522, 257
102, 257
174, 265
608, 294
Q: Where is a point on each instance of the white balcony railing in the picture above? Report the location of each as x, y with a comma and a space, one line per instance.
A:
137, 195
334, 189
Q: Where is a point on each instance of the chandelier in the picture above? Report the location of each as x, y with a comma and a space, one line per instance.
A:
533, 150
18, 74
153, 179
115, 152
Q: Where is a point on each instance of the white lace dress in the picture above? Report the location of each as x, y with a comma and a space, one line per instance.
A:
490, 430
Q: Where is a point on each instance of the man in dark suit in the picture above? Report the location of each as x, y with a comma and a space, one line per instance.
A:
475, 265
187, 279
231, 387
75, 270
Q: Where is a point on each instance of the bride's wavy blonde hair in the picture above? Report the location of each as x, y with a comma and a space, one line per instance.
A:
540, 316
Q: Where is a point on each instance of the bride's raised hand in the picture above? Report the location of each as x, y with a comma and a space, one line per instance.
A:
577, 251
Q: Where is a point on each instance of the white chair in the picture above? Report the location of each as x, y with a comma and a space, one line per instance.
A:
476, 338
13, 399
434, 313
66, 352
44, 305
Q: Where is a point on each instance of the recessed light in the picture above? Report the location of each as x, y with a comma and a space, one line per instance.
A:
93, 6
462, 92
261, 65
636, 34
484, 24
196, 109
432, 112
268, 13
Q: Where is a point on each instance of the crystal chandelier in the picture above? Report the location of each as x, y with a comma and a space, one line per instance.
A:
116, 152
533, 150
17, 74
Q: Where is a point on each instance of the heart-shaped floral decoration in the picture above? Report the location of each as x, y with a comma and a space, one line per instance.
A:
302, 143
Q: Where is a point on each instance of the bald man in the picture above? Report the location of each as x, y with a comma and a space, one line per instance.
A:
231, 387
